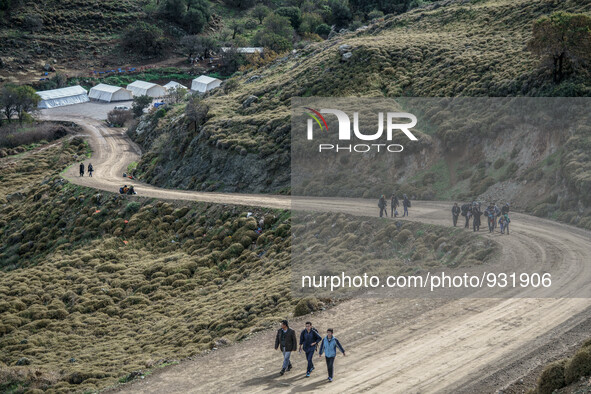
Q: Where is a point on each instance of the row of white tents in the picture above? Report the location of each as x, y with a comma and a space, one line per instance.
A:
109, 93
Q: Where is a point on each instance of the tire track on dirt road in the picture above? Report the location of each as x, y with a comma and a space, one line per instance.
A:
394, 345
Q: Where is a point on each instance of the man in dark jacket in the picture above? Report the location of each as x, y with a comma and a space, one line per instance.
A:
81, 169
309, 338
455, 213
467, 213
287, 342
382, 204
505, 209
405, 205
393, 205
476, 213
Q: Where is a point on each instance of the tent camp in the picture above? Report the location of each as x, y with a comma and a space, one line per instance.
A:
246, 50
64, 96
205, 84
109, 93
173, 85
142, 88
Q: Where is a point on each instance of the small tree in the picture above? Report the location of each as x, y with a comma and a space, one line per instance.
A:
293, 14
237, 28
260, 12
278, 25
8, 100
196, 111
119, 117
231, 60
173, 10
341, 15
199, 45
562, 38
323, 30
143, 38
27, 100
33, 22
139, 104
176, 94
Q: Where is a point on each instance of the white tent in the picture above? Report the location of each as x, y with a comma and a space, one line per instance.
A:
64, 96
109, 93
142, 88
246, 50
173, 85
205, 84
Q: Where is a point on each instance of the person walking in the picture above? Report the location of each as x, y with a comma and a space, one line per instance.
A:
476, 213
467, 213
383, 206
329, 346
393, 205
455, 213
405, 205
505, 209
506, 221
81, 169
309, 338
287, 342
90, 169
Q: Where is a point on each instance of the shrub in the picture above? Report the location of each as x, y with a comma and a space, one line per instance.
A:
403, 236
579, 365
305, 306
552, 378
119, 117
132, 207
323, 30
144, 38
499, 163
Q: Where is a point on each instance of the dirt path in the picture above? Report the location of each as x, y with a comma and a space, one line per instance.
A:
394, 345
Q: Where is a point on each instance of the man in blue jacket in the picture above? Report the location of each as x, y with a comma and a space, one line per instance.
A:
308, 340
328, 346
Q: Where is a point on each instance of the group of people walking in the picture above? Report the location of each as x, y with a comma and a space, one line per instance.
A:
493, 214
394, 204
310, 341
89, 168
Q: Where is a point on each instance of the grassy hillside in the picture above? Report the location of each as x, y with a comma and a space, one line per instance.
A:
475, 48
97, 289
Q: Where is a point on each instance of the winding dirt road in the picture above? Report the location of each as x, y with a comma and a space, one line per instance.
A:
393, 345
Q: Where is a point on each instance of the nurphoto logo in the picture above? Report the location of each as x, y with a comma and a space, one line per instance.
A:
393, 123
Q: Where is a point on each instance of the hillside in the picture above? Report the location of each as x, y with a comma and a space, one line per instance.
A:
447, 49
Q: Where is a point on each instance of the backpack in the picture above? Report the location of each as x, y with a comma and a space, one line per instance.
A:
120, 190
317, 343
408, 203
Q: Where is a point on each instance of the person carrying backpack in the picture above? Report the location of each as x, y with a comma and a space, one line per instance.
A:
506, 221
405, 205
467, 213
490, 215
90, 169
329, 346
382, 205
309, 338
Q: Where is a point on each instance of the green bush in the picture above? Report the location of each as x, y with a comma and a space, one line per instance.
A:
552, 378
305, 306
132, 207
578, 366
499, 163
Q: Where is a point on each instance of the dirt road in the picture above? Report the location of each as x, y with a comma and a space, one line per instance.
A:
393, 345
